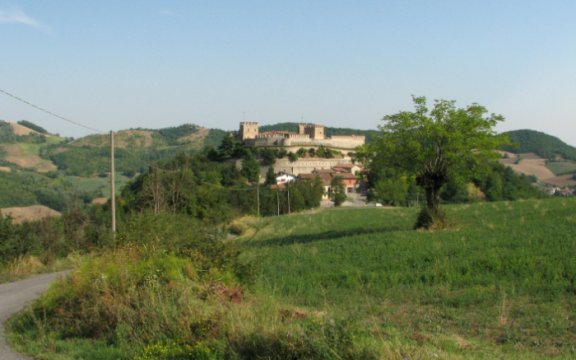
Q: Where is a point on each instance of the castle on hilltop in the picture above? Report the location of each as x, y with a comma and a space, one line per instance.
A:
308, 135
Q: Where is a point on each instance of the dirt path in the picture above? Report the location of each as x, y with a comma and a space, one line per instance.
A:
14, 297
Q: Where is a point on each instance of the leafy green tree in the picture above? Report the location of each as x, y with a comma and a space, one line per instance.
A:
324, 152
250, 168
270, 177
301, 152
337, 191
33, 126
230, 147
268, 156
292, 157
392, 191
433, 143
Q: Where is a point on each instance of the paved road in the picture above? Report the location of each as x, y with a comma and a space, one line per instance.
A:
13, 297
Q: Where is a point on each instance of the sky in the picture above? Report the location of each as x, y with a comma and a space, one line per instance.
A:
112, 65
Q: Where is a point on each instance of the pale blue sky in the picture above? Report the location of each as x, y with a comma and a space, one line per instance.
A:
119, 64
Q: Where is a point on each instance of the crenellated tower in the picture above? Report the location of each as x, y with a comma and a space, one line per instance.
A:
248, 130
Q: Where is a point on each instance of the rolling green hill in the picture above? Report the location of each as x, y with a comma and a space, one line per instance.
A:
135, 149
37, 167
547, 146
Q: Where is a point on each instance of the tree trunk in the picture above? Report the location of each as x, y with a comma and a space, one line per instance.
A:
431, 216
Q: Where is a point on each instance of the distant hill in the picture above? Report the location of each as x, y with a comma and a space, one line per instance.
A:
39, 168
547, 146
135, 149
329, 131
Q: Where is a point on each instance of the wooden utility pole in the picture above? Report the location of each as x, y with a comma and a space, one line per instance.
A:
258, 198
288, 188
278, 200
112, 184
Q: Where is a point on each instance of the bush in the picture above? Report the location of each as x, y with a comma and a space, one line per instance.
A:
430, 219
309, 339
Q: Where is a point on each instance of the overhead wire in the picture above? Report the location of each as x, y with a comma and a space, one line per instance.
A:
49, 112
125, 149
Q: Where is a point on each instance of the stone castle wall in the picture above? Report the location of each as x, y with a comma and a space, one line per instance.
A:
309, 135
306, 166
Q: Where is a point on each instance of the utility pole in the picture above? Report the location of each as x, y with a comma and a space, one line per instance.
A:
112, 185
258, 198
278, 200
288, 188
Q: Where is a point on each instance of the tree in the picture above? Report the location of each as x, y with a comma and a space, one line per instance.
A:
268, 156
250, 168
433, 144
270, 177
301, 152
337, 191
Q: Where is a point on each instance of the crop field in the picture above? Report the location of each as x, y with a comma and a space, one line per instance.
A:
26, 155
562, 167
500, 282
99, 185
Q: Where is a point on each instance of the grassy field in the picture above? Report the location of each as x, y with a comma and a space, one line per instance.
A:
500, 283
99, 185
562, 167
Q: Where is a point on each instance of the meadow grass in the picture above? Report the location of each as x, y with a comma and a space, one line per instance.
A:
499, 282
95, 184
562, 167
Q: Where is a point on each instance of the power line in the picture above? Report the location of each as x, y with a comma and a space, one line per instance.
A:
49, 112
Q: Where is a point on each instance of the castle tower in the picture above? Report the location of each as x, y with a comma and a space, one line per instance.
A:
248, 130
318, 132
302, 129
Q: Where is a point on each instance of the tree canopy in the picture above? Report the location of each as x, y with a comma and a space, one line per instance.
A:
434, 144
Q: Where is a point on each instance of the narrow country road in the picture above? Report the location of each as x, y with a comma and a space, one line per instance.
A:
13, 297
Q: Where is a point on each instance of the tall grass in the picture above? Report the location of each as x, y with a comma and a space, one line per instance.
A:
502, 276
167, 293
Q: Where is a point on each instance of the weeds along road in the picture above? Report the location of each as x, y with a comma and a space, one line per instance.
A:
14, 297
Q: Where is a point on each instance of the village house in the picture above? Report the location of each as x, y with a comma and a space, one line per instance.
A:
349, 180
285, 178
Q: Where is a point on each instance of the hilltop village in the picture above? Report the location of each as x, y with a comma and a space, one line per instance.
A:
309, 139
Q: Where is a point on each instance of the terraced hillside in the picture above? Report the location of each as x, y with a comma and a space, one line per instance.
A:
546, 157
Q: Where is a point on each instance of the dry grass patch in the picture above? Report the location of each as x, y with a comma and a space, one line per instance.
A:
29, 213
534, 167
16, 154
195, 138
563, 180
100, 200
21, 130
122, 139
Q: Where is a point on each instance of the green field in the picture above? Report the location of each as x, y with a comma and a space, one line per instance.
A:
500, 283
98, 185
562, 167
